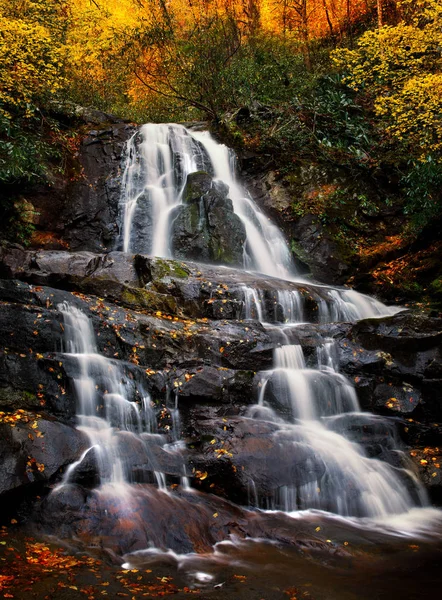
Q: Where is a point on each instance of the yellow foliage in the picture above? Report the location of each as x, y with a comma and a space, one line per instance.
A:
414, 113
400, 68
30, 63
388, 57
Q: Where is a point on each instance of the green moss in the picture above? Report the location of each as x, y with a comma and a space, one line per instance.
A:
10, 397
412, 289
146, 300
436, 288
299, 251
194, 209
346, 245
193, 190
169, 268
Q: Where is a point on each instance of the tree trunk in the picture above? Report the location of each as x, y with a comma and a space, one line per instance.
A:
305, 36
380, 15
349, 23
253, 14
327, 14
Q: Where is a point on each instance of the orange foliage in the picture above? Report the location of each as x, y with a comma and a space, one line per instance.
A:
405, 269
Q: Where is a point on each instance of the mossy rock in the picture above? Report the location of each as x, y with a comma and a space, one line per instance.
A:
14, 399
141, 299
436, 288
197, 186
168, 268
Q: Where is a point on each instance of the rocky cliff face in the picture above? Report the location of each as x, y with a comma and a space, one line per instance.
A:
186, 334
180, 326
81, 210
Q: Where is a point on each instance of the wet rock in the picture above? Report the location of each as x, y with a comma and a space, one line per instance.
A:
142, 517
34, 449
316, 249
403, 332
91, 210
142, 224
248, 461
393, 362
156, 284
211, 384
205, 226
138, 517
428, 462
402, 399
36, 384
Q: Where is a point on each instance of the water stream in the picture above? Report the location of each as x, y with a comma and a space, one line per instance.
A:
116, 414
315, 409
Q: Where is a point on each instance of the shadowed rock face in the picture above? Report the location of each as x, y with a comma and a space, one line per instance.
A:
90, 215
205, 227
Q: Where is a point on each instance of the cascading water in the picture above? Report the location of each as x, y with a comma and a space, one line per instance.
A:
266, 249
318, 404
114, 412
312, 412
159, 159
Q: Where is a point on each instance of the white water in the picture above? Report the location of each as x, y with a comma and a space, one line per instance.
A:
159, 159
351, 483
157, 168
266, 249
313, 406
114, 412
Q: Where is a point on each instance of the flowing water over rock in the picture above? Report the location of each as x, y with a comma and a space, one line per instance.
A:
159, 162
314, 410
245, 395
117, 415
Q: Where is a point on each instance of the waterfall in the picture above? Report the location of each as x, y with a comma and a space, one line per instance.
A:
266, 249
115, 413
315, 411
159, 159
316, 408
323, 413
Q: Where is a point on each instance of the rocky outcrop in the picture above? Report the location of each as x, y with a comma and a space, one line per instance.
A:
190, 289
35, 449
205, 227
81, 210
181, 521
174, 325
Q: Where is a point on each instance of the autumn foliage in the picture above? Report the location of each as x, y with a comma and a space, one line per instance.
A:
356, 84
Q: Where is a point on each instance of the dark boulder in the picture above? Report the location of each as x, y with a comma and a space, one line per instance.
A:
34, 449
205, 226
246, 460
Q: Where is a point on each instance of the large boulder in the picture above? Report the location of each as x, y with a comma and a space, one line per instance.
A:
34, 449
205, 226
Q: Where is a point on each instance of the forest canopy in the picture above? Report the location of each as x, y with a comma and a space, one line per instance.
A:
356, 83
